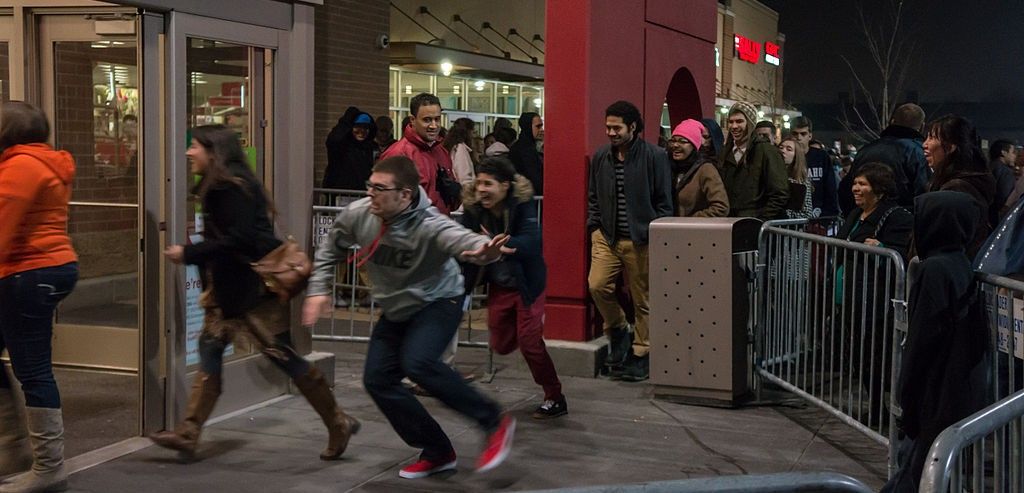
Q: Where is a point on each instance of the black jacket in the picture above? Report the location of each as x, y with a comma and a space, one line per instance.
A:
981, 186
823, 176
237, 231
757, 185
900, 148
526, 266
894, 232
947, 334
349, 162
524, 154
648, 189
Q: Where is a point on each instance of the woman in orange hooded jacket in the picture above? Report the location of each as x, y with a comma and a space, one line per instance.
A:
38, 268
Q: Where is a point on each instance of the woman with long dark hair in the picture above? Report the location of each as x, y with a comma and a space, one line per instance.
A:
238, 231
38, 268
958, 164
459, 143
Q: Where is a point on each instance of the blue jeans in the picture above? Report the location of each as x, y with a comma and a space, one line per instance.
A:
27, 302
413, 348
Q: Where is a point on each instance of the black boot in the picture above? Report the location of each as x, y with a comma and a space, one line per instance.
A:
635, 369
619, 345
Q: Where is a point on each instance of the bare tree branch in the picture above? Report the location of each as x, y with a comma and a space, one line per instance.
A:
890, 47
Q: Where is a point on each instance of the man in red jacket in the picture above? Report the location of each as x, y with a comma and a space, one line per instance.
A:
421, 143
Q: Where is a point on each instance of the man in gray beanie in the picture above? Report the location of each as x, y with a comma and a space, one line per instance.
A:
752, 169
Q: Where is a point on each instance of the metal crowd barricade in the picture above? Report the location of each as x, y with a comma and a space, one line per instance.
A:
828, 320
986, 450
980, 453
761, 483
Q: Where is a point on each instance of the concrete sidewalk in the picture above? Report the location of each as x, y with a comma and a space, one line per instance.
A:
614, 433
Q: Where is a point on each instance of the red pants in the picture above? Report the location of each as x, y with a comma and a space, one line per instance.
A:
514, 324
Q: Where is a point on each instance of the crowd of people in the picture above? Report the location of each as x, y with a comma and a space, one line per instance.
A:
924, 190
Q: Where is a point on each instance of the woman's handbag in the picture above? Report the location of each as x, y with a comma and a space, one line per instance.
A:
285, 270
450, 190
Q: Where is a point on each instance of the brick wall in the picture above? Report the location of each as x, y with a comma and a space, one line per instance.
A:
349, 68
728, 46
105, 238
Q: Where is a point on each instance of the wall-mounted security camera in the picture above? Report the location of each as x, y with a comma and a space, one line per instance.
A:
383, 41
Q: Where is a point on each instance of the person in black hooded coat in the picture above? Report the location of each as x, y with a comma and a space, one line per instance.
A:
351, 151
524, 153
942, 375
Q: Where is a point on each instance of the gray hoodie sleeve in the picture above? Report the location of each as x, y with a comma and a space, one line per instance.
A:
451, 237
331, 252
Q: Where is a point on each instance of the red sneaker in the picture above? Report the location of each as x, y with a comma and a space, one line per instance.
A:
499, 445
423, 467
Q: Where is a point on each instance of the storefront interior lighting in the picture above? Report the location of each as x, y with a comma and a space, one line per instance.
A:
479, 85
456, 89
723, 110
446, 68
760, 114
504, 89
408, 90
785, 118
537, 102
785, 124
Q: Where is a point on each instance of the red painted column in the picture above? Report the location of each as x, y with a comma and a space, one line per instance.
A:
598, 52
565, 168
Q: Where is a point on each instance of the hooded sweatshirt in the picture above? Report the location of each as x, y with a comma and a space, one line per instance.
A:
427, 156
349, 161
524, 154
412, 265
945, 340
35, 188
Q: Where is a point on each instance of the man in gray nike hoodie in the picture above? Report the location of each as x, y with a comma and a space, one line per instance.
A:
409, 249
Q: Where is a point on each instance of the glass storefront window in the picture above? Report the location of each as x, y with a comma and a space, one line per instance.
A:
533, 100
481, 97
411, 84
392, 86
452, 92
220, 91
508, 98
96, 108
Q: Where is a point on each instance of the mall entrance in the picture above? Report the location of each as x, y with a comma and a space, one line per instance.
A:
122, 86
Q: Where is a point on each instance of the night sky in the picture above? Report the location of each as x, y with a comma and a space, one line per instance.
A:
967, 50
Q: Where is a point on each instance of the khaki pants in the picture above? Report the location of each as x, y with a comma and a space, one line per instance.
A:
606, 263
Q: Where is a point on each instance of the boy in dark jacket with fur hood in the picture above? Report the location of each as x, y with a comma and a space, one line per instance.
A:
501, 201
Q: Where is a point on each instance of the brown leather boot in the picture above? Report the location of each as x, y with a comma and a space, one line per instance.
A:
340, 426
185, 437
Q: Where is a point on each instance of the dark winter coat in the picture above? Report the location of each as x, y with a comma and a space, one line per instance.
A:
824, 194
894, 232
236, 231
526, 266
1005, 181
349, 162
901, 148
947, 333
981, 186
648, 189
757, 185
524, 154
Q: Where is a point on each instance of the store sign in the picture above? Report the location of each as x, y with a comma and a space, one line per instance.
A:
771, 53
747, 49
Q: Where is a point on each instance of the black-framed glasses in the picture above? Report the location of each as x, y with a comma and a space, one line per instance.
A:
379, 188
